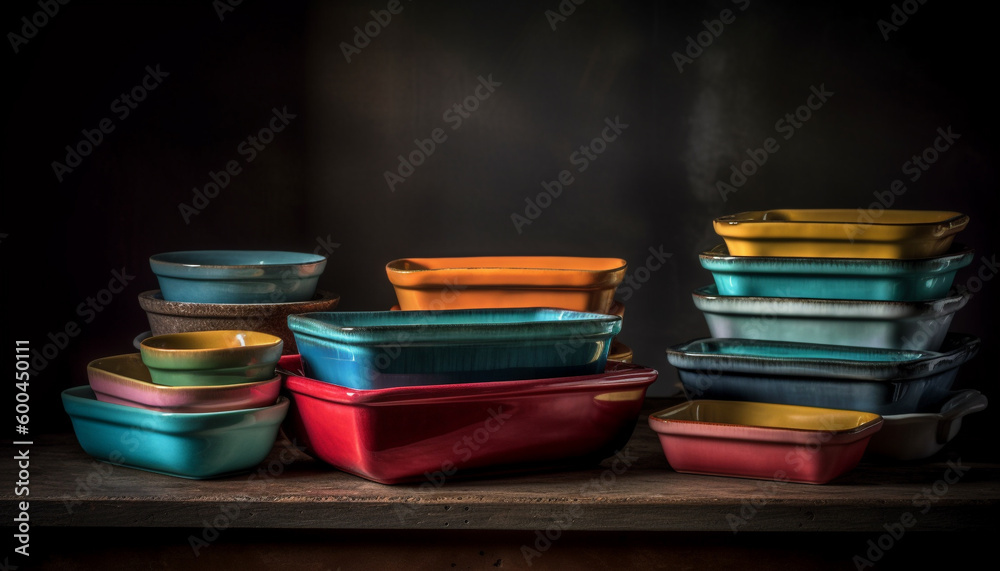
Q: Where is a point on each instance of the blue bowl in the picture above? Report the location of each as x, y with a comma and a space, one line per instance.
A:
883, 381
237, 276
186, 445
382, 349
916, 325
835, 278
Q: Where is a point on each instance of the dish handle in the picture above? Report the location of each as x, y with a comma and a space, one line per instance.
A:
966, 402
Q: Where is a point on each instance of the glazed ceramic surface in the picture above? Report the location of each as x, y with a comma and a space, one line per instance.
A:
883, 381
371, 350
919, 325
575, 283
835, 278
764, 441
411, 434
190, 445
125, 380
180, 317
237, 276
620, 352
200, 358
840, 233
921, 435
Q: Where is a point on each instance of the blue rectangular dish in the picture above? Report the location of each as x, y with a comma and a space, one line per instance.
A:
916, 325
382, 349
883, 381
196, 445
835, 278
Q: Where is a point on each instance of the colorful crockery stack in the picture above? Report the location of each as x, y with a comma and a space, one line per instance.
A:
201, 398
488, 365
193, 405
814, 308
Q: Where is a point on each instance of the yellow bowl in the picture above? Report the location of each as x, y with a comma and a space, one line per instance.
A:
202, 358
840, 233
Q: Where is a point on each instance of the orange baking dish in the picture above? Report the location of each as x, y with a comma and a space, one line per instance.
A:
565, 282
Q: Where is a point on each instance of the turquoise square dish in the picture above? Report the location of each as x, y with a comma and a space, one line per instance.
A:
187, 445
916, 325
835, 278
883, 381
383, 349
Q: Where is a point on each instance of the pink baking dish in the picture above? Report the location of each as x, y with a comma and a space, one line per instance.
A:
124, 379
439, 432
780, 442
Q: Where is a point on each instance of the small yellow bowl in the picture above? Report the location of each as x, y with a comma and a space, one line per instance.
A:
207, 358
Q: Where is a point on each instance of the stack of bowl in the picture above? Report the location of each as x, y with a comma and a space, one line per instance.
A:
818, 308
254, 290
194, 405
489, 365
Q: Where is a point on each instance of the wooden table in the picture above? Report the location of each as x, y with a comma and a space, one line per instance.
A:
634, 506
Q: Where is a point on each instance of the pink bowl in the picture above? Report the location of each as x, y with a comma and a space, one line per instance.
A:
440, 432
125, 380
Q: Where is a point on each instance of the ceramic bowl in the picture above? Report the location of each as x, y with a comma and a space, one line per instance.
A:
921, 435
835, 278
565, 282
125, 380
620, 352
190, 445
200, 358
181, 317
762, 440
410, 434
883, 381
918, 325
237, 276
840, 233
382, 349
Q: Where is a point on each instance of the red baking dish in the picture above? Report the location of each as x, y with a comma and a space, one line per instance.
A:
439, 432
787, 443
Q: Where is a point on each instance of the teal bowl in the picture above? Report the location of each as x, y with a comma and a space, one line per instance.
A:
835, 278
186, 445
383, 349
237, 276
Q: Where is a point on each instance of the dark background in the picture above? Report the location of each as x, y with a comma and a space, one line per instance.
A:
321, 179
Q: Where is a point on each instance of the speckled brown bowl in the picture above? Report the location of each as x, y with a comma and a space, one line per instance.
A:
179, 317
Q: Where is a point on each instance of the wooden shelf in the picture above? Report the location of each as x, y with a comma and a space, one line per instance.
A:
70, 489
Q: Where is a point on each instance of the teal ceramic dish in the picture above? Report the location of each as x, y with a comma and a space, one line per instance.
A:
917, 325
883, 381
237, 276
383, 349
208, 358
186, 445
835, 278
